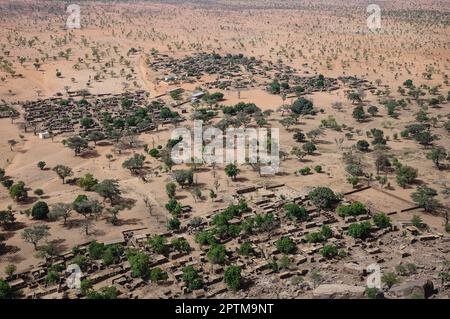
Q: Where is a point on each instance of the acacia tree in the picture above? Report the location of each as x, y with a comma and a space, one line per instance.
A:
35, 234
437, 155
108, 189
61, 210
63, 172
425, 198
77, 144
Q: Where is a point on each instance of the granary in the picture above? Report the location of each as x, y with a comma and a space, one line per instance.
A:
196, 96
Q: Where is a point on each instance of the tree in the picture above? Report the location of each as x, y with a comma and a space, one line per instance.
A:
285, 245
381, 220
96, 250
7, 219
77, 144
437, 155
5, 290
96, 136
246, 249
323, 197
216, 254
18, 192
353, 180
40, 210
362, 146
425, 138
86, 122
232, 171
180, 244
232, 277
173, 224
303, 106
61, 210
108, 189
158, 244
358, 113
41, 165
10, 269
295, 211
425, 198
297, 152
140, 264
354, 209
171, 189
329, 251
309, 147
191, 278
389, 279
299, 137
157, 274
360, 230
35, 234
372, 110
12, 143
135, 163
87, 182
63, 172
405, 175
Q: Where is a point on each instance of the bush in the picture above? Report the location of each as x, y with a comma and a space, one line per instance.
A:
318, 169
381, 220
40, 210
191, 278
217, 254
362, 146
96, 250
323, 197
305, 170
5, 290
285, 245
18, 192
38, 192
140, 264
354, 209
360, 230
389, 279
157, 274
329, 251
246, 249
295, 211
158, 245
316, 237
372, 293
232, 277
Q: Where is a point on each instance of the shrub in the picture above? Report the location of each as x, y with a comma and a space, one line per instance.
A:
318, 169
96, 250
305, 170
285, 245
354, 209
381, 220
38, 192
362, 146
329, 251
360, 230
191, 278
389, 279
232, 277
157, 274
246, 249
295, 211
40, 210
323, 197
140, 264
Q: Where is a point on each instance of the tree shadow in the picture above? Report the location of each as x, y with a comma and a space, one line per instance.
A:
90, 154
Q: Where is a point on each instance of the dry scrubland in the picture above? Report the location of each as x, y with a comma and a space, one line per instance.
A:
114, 52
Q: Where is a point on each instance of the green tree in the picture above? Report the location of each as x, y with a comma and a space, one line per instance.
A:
323, 197
191, 278
158, 244
437, 155
232, 171
135, 163
360, 230
381, 220
295, 211
416, 221
171, 189
285, 245
18, 192
63, 172
329, 251
425, 198
309, 147
354, 209
362, 146
40, 210
41, 165
217, 254
246, 249
233, 278
358, 113
87, 182
140, 264
108, 189
77, 144
389, 279
35, 234
157, 274
5, 290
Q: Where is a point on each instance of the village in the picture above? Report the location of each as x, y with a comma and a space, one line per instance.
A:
94, 206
